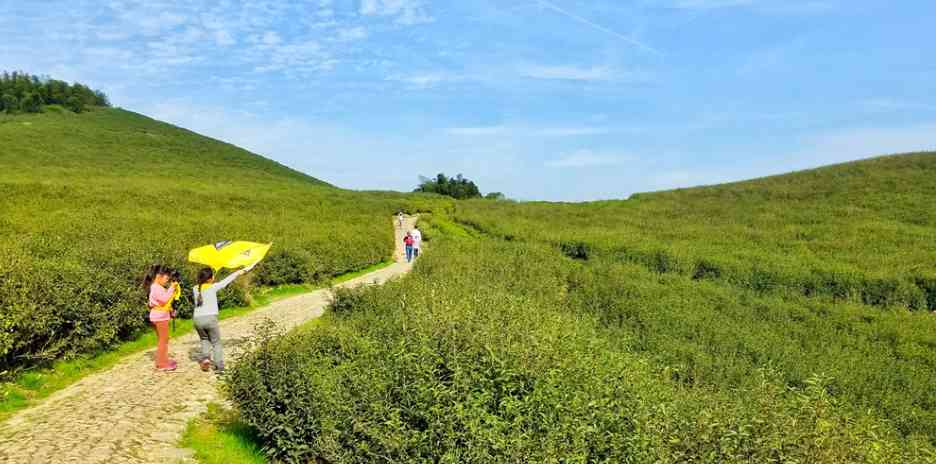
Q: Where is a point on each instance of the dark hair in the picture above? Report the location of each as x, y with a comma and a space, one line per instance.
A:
204, 275
155, 270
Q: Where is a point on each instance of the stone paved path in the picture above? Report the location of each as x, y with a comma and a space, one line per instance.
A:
133, 414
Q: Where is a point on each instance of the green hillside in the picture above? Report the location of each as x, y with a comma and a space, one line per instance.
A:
90, 200
776, 320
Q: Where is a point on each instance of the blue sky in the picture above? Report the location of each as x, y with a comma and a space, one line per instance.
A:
539, 99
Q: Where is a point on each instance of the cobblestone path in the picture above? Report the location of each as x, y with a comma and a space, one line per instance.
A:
132, 414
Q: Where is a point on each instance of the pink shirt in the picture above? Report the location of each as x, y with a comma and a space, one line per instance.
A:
159, 296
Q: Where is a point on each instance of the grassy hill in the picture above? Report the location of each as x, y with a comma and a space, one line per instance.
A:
91, 200
776, 320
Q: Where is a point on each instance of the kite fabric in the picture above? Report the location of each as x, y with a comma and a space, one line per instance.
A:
228, 254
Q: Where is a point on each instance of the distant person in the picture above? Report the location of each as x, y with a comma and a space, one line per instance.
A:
417, 241
409, 241
205, 317
160, 305
400, 218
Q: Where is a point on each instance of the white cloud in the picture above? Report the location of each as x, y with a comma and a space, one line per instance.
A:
587, 159
894, 104
406, 12
571, 73
710, 4
856, 143
350, 34
224, 38
476, 131
425, 80
518, 131
593, 25
271, 38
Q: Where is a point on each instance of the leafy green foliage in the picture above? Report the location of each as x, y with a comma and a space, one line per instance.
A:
92, 200
777, 320
456, 187
482, 355
859, 232
26, 93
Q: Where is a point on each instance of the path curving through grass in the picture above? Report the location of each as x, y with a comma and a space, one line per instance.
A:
133, 414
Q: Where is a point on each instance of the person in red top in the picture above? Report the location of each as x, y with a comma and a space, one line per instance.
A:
408, 240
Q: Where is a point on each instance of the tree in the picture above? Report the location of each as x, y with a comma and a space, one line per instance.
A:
28, 93
457, 187
75, 104
495, 196
31, 103
10, 103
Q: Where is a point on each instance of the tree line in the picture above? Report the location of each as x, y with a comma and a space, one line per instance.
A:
26, 93
457, 187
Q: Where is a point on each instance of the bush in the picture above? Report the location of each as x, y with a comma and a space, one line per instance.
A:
476, 358
92, 200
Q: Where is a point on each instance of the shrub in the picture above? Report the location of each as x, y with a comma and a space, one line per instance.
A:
476, 358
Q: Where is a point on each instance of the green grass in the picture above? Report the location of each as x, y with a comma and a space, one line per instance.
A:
775, 320
92, 200
219, 437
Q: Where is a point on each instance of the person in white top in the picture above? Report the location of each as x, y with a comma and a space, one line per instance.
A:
417, 241
205, 317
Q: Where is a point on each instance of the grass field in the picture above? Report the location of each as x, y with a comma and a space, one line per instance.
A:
673, 327
91, 200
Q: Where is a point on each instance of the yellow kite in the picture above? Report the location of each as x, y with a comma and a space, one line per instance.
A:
232, 255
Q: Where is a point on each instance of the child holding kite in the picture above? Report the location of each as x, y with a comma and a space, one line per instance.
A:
205, 317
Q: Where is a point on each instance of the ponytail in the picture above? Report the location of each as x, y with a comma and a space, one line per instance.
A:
204, 275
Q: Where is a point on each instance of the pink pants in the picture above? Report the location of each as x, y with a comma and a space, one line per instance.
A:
162, 347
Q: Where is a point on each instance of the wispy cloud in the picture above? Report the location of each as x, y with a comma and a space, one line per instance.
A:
567, 73
587, 159
427, 79
406, 12
352, 33
518, 131
894, 104
630, 40
710, 4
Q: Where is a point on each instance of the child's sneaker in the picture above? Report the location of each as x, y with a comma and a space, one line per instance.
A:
205, 365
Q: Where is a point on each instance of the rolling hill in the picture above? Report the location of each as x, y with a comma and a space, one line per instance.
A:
783, 319
92, 199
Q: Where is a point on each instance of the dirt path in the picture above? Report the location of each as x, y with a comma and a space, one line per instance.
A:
132, 414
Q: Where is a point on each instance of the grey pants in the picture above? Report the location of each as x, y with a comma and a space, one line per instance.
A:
210, 334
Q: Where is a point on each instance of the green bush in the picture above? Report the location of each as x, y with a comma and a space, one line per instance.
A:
92, 200
477, 357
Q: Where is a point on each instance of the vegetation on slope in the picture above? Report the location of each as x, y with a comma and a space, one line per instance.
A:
91, 200
24, 93
764, 321
482, 355
860, 232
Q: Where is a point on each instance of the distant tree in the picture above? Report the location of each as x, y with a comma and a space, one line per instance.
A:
495, 196
74, 103
457, 187
29, 93
10, 103
31, 103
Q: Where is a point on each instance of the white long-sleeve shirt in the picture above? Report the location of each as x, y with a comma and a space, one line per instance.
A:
417, 238
209, 295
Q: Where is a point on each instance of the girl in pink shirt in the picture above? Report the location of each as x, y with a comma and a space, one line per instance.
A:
160, 304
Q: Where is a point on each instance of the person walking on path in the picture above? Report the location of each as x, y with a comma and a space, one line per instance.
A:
417, 241
160, 304
205, 318
400, 218
409, 241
